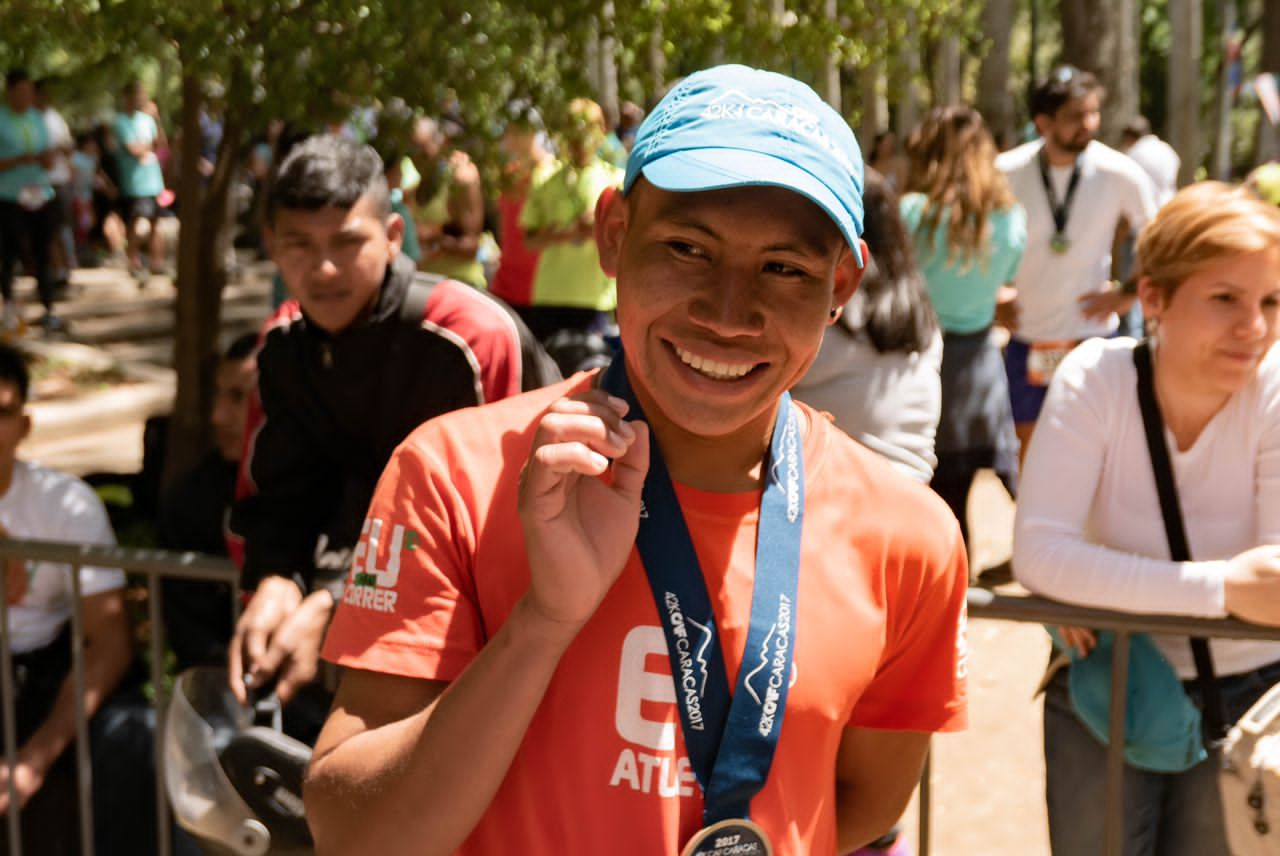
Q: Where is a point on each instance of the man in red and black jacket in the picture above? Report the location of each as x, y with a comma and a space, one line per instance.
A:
366, 351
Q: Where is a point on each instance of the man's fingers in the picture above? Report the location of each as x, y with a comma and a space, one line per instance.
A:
235, 664
630, 469
262, 668
608, 437
551, 463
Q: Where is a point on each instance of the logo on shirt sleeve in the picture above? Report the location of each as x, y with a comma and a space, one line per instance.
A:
368, 585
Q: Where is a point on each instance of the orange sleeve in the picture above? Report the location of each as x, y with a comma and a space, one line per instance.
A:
920, 682
409, 605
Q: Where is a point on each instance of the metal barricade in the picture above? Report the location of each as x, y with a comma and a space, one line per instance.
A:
158, 564
1038, 610
155, 565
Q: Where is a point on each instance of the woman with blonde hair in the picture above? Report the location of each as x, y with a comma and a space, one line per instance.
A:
968, 234
1090, 528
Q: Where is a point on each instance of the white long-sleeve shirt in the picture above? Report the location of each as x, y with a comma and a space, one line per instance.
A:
1089, 530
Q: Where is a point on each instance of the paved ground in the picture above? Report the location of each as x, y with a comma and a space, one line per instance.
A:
987, 781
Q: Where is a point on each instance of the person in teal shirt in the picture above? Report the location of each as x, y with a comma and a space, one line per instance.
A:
28, 217
969, 233
139, 135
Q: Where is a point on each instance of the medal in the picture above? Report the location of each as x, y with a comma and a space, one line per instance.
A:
1060, 210
731, 736
729, 838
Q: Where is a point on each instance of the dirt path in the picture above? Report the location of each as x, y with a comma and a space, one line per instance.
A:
988, 781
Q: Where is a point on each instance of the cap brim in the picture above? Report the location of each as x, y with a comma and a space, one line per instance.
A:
718, 169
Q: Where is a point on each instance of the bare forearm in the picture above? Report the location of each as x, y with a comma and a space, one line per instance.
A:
864, 817
420, 784
876, 773
106, 659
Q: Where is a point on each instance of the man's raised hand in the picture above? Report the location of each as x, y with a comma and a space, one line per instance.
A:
580, 503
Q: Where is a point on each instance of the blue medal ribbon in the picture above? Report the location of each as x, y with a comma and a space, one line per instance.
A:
731, 739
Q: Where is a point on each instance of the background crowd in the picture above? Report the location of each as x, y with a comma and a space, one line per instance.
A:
988, 270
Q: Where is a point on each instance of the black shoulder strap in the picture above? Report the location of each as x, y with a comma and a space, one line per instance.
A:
1214, 712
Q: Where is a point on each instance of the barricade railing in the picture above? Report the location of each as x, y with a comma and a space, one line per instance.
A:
154, 565
158, 564
1029, 608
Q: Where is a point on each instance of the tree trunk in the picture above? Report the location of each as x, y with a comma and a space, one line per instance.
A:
201, 276
1268, 134
1185, 47
995, 101
830, 64
1222, 141
946, 71
657, 66
1124, 97
608, 64
905, 92
875, 112
1090, 32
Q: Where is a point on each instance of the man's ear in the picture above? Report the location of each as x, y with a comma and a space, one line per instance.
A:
26, 426
1042, 121
610, 227
848, 275
395, 234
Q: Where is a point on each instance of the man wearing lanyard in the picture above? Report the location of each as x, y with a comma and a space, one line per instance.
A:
1076, 191
659, 609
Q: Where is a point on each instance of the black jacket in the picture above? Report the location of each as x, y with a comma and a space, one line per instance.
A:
330, 411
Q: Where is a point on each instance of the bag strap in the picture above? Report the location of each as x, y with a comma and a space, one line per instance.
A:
1215, 714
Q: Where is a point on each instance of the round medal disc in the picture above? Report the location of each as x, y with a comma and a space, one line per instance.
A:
1060, 243
733, 837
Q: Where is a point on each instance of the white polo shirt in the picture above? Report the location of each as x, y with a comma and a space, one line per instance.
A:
1161, 164
1111, 187
47, 505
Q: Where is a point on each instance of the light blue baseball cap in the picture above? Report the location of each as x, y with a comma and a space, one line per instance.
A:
734, 126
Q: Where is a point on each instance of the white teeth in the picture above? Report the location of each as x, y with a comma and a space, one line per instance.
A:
713, 369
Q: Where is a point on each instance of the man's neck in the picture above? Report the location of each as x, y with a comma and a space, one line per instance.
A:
1059, 157
731, 463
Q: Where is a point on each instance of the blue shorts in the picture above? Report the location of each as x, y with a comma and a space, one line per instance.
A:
1026, 397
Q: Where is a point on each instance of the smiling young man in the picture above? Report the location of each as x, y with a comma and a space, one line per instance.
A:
659, 609
366, 351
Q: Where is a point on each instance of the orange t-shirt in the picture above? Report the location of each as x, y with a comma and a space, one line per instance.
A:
879, 633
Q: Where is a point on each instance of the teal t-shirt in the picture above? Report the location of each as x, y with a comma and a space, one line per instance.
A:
964, 296
23, 134
138, 177
569, 274
409, 246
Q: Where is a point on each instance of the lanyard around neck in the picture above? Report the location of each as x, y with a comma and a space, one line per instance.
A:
731, 739
1060, 210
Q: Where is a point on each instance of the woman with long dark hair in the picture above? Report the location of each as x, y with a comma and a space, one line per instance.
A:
877, 370
968, 234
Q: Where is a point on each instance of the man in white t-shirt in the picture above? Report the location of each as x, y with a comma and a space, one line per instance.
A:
43, 504
1075, 191
1156, 157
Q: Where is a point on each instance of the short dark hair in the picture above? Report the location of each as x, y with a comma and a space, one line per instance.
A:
15, 76
242, 348
1137, 128
1063, 84
327, 170
13, 368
